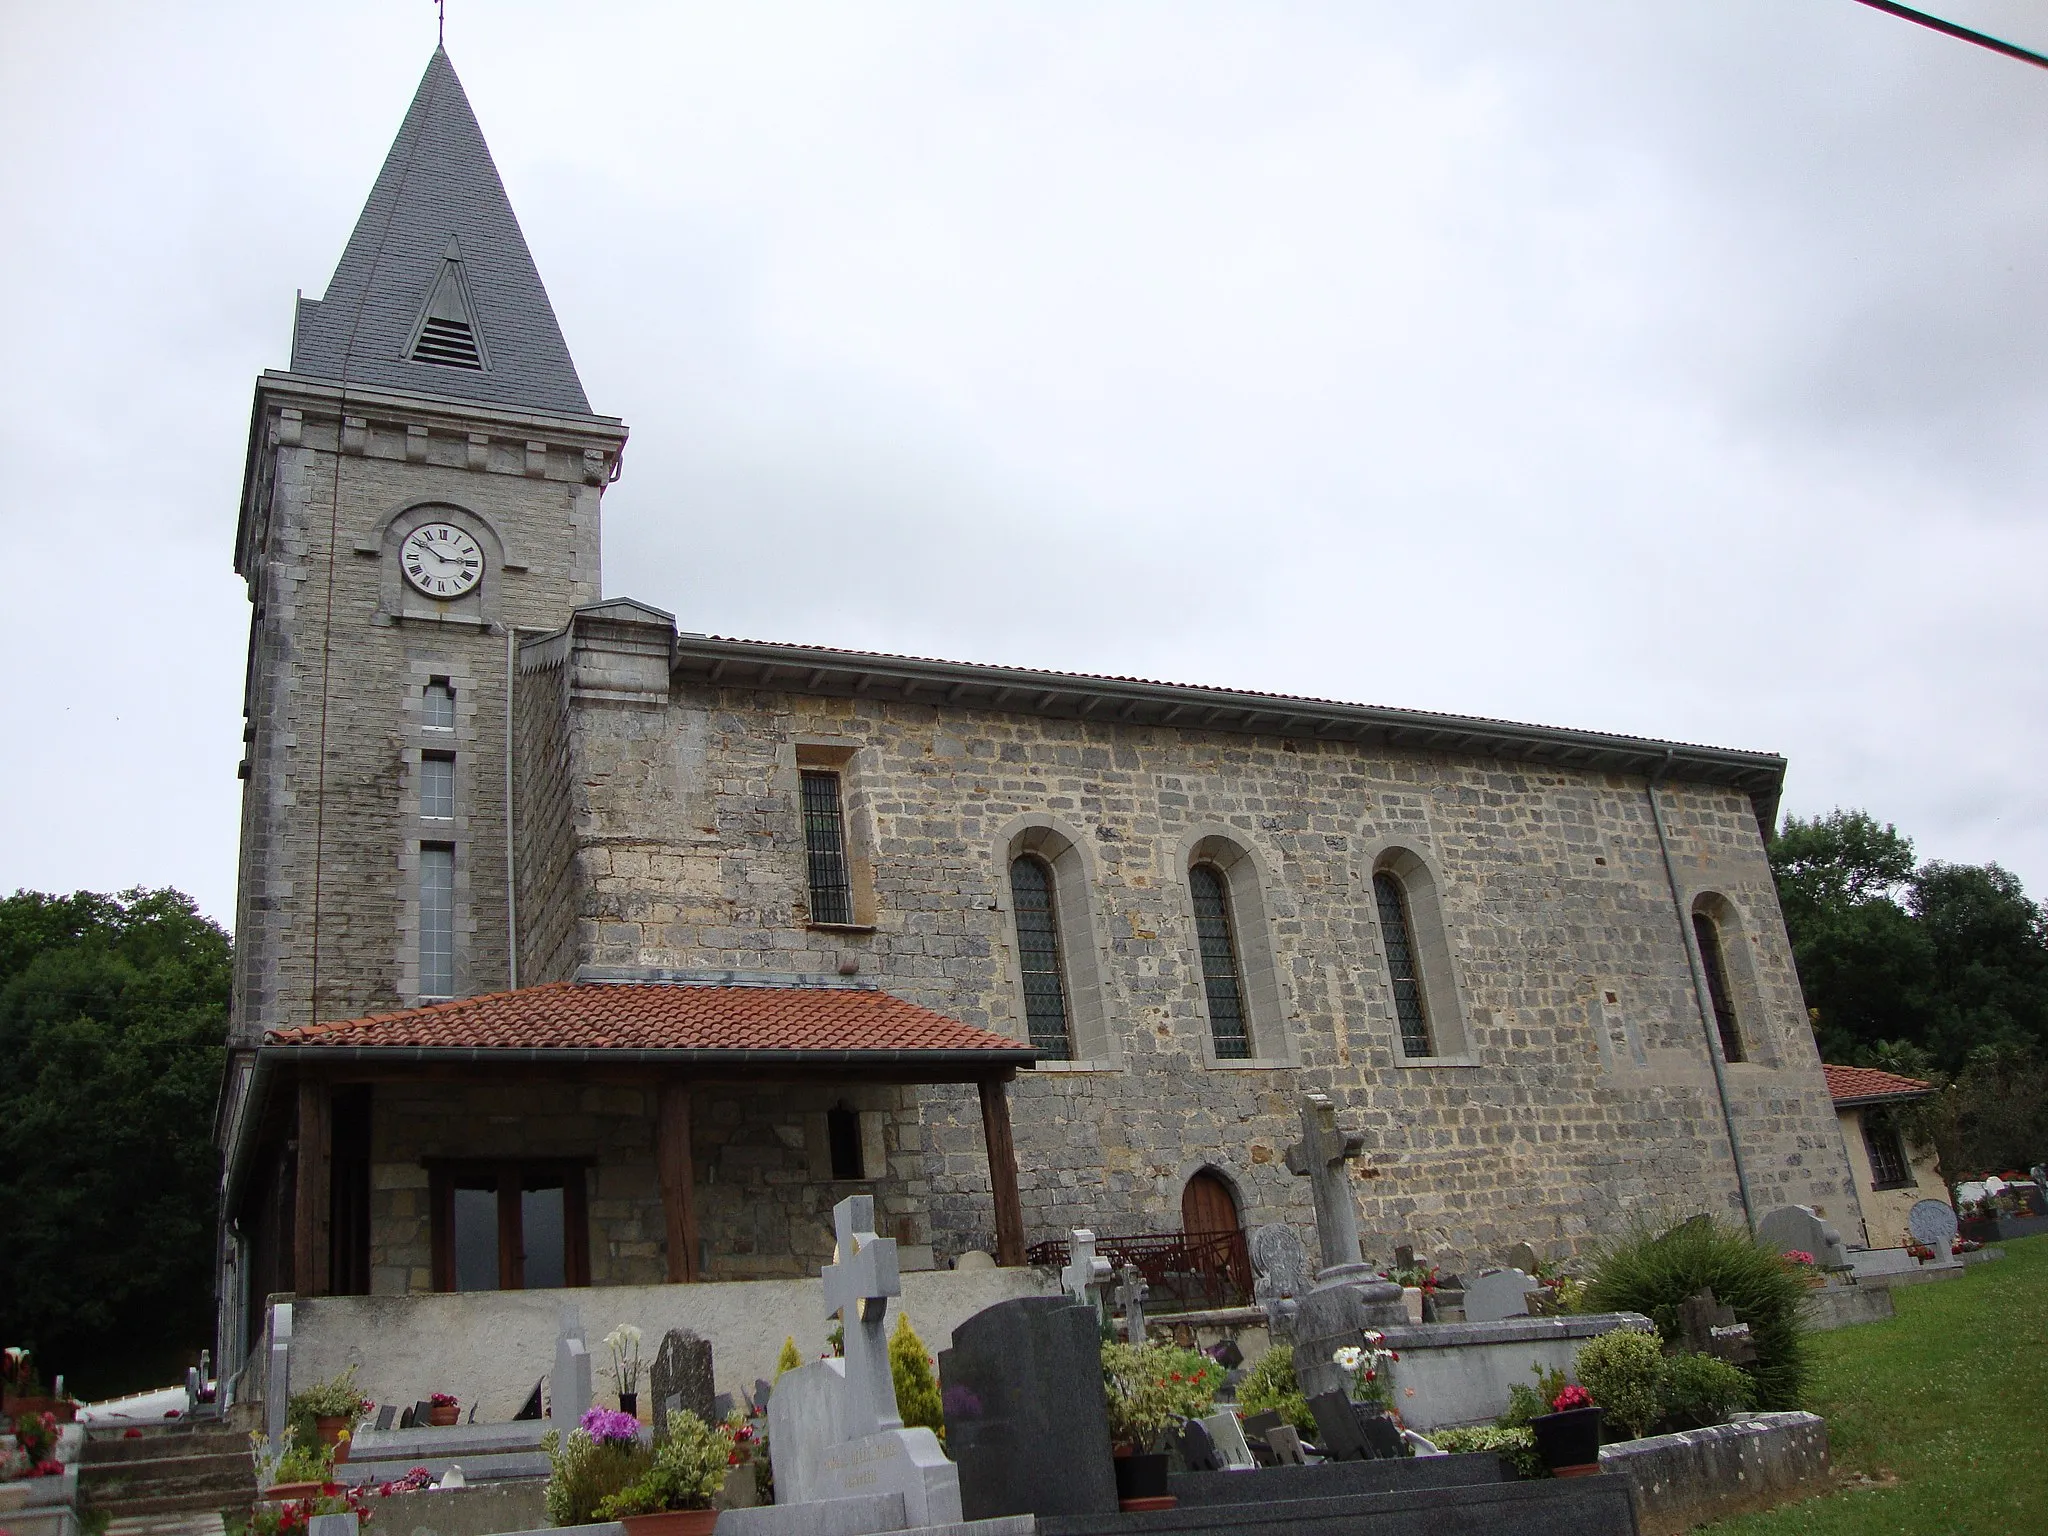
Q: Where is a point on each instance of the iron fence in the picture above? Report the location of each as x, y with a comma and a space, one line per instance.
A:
1184, 1271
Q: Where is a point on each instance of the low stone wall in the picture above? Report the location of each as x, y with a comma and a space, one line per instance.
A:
1841, 1306
1688, 1479
1459, 1373
481, 1511
490, 1347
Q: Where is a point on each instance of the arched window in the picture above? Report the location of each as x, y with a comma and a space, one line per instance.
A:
1397, 934
1722, 1000
1038, 955
1222, 977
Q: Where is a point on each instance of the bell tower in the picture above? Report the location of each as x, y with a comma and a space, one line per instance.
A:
422, 487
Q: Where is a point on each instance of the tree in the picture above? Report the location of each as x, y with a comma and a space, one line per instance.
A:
1989, 952
1865, 964
910, 1370
113, 1022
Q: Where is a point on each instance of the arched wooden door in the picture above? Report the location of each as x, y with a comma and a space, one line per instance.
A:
1209, 1218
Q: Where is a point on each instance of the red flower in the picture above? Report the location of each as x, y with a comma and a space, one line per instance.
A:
170, 1413
131, 1434
1573, 1396
49, 1467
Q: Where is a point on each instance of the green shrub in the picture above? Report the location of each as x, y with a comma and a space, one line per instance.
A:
583, 1474
789, 1359
917, 1394
1624, 1370
1517, 1445
1651, 1274
688, 1468
1700, 1390
1151, 1385
1270, 1387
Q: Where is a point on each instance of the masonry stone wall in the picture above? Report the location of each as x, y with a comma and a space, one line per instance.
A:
1581, 1094
542, 763
327, 914
765, 1186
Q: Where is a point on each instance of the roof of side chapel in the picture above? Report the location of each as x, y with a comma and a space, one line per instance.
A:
438, 199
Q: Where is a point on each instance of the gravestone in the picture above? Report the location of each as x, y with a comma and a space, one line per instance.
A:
1706, 1326
1933, 1223
1335, 1315
1404, 1257
1498, 1294
1026, 1418
1197, 1447
1130, 1295
833, 1428
1227, 1435
680, 1379
530, 1409
1796, 1229
1323, 1156
569, 1386
1522, 1257
1085, 1269
1349, 1435
1285, 1443
387, 1416
1280, 1275
277, 1384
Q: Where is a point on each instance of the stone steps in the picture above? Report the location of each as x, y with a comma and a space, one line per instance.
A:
183, 1471
208, 1523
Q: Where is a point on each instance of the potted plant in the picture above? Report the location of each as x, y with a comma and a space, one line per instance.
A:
290, 1470
624, 1343
328, 1410
1147, 1388
602, 1456
673, 1496
443, 1409
1568, 1437
22, 1391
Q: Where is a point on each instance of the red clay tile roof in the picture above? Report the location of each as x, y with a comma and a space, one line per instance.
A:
652, 1016
1853, 1085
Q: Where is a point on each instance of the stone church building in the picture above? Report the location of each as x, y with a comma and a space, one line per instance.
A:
574, 947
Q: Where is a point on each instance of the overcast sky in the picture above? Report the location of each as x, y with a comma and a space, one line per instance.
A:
1671, 369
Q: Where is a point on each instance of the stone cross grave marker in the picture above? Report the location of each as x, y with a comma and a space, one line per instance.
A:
858, 1287
680, 1378
1933, 1222
1281, 1275
1707, 1326
1086, 1269
1498, 1294
1795, 1228
569, 1387
1322, 1157
1130, 1295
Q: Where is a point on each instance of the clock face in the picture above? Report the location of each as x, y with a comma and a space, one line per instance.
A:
441, 560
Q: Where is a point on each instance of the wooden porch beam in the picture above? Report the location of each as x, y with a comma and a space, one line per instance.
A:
1002, 1172
311, 1216
678, 1176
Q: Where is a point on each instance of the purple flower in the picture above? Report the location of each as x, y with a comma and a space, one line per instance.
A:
607, 1427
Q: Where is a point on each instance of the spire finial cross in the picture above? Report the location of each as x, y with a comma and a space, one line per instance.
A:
441, 21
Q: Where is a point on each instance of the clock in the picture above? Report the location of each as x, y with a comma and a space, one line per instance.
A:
441, 560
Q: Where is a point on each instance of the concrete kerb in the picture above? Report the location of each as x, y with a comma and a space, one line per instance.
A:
1758, 1462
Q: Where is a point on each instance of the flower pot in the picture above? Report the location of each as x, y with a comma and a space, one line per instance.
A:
290, 1493
629, 1402
1569, 1442
329, 1427
441, 1417
1141, 1477
672, 1522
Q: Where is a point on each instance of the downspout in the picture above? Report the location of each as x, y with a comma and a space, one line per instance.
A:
511, 841
1699, 989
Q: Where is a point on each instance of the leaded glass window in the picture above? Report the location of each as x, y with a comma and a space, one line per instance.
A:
825, 845
1708, 933
1397, 935
437, 920
1222, 980
1038, 955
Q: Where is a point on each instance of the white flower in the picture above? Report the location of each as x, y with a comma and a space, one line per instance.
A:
1349, 1358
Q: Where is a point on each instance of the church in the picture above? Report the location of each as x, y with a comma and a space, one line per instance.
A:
577, 948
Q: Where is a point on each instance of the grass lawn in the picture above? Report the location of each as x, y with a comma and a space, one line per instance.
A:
1938, 1418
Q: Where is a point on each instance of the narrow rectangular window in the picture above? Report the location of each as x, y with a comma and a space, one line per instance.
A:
437, 786
508, 1226
1708, 935
1038, 955
1222, 982
825, 848
437, 706
437, 920
842, 1131
1888, 1166
1398, 935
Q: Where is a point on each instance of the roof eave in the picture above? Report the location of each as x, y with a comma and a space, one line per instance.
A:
1865, 1100
715, 661
986, 1059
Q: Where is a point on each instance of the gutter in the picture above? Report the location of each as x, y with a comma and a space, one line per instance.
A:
1699, 992
650, 1056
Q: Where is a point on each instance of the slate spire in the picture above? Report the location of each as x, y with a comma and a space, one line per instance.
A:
436, 292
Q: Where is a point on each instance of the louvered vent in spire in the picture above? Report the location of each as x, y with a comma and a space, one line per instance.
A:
447, 333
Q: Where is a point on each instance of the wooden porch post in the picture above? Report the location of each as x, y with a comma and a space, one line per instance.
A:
311, 1217
678, 1174
1002, 1172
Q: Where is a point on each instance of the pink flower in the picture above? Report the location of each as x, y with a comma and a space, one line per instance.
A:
1573, 1396
608, 1427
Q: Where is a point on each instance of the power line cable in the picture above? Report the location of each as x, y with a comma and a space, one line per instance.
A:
1950, 29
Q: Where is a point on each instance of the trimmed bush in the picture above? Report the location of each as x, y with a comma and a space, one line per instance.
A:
1653, 1274
1624, 1371
1270, 1386
1700, 1390
584, 1473
910, 1368
1516, 1444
